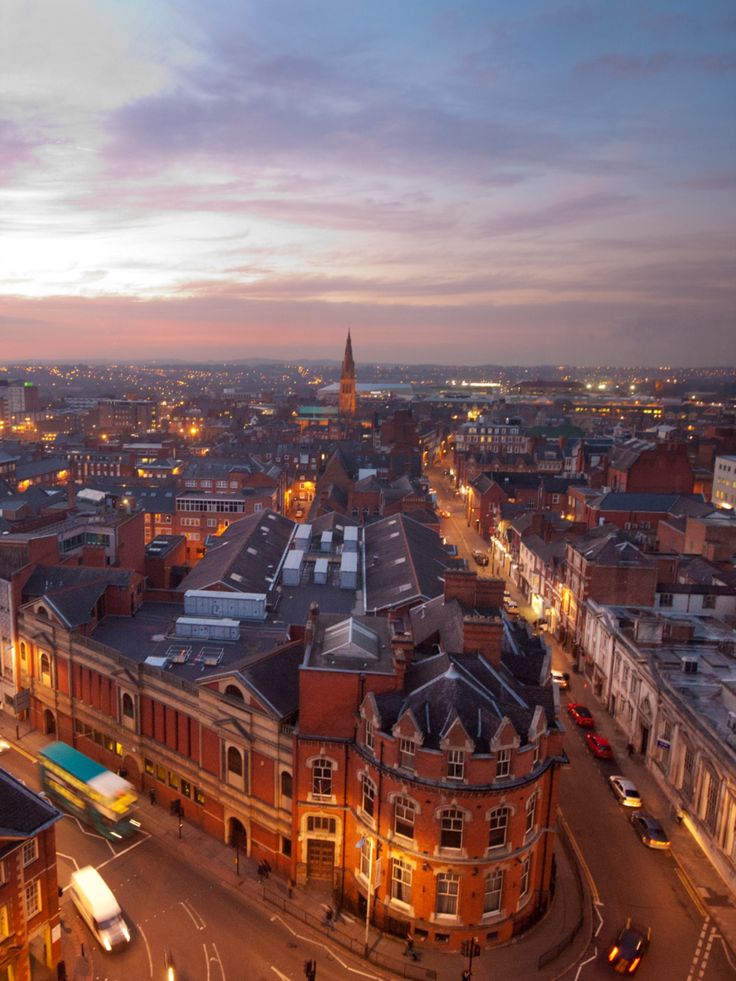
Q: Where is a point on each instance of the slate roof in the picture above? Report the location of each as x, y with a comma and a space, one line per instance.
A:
36, 468
247, 556
625, 455
275, 679
23, 814
404, 561
609, 551
623, 501
73, 591
440, 689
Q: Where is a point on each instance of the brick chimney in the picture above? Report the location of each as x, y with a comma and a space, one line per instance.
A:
460, 585
402, 645
483, 634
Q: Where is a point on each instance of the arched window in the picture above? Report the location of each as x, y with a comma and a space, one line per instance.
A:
531, 814
498, 827
45, 668
232, 691
286, 784
234, 761
128, 706
451, 828
22, 651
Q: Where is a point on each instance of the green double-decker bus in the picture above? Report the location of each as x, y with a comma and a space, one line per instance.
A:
87, 790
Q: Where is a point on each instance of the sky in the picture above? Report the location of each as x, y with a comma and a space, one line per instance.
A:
473, 182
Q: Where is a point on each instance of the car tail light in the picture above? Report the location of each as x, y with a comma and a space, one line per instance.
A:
634, 964
613, 954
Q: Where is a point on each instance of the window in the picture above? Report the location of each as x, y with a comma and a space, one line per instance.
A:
404, 812
316, 822
232, 691
524, 882
173, 780
322, 778
498, 827
161, 773
30, 852
45, 669
401, 881
536, 753
4, 923
286, 784
368, 802
407, 752
148, 766
531, 814
493, 891
234, 761
366, 854
709, 601
128, 708
451, 828
286, 846
503, 763
665, 599
455, 764
198, 796
369, 735
32, 897
448, 888
185, 788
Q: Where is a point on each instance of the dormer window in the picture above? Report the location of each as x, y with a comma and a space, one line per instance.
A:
503, 763
407, 753
369, 735
455, 764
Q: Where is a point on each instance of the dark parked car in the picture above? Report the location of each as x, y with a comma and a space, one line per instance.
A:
650, 831
629, 947
581, 715
480, 557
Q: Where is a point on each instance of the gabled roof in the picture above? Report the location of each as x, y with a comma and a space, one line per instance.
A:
247, 555
625, 455
23, 814
404, 561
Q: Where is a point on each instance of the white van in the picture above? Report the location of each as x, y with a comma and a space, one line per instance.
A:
98, 908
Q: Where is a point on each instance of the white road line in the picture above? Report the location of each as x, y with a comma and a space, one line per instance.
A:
699, 951
283, 977
217, 960
148, 949
330, 951
600, 919
725, 951
592, 958
206, 960
192, 914
69, 858
123, 852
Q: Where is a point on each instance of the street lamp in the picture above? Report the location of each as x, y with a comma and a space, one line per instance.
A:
369, 895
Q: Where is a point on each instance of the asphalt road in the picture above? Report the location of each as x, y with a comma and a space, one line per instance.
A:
170, 905
627, 879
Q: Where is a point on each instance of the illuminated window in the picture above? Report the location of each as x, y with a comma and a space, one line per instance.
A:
369, 735
32, 897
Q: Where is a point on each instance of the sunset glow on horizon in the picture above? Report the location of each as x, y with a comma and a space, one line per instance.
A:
516, 182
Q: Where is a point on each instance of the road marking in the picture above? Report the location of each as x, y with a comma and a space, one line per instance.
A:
690, 889
193, 914
583, 864
331, 952
703, 948
148, 949
591, 958
284, 977
216, 959
726, 951
69, 858
123, 852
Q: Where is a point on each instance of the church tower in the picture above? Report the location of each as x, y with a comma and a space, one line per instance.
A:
347, 403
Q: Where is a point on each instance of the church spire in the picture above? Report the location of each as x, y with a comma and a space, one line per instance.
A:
348, 400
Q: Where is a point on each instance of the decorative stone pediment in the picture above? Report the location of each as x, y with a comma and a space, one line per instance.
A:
505, 736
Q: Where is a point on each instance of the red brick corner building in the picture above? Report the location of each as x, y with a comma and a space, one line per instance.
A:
427, 767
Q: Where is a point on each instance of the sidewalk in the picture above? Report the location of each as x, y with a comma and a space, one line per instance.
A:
707, 889
518, 959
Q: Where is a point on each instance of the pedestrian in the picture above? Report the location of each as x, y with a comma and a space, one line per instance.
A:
409, 951
266, 868
329, 917
152, 796
310, 970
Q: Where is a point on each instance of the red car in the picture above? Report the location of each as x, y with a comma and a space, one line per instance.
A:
581, 715
599, 746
